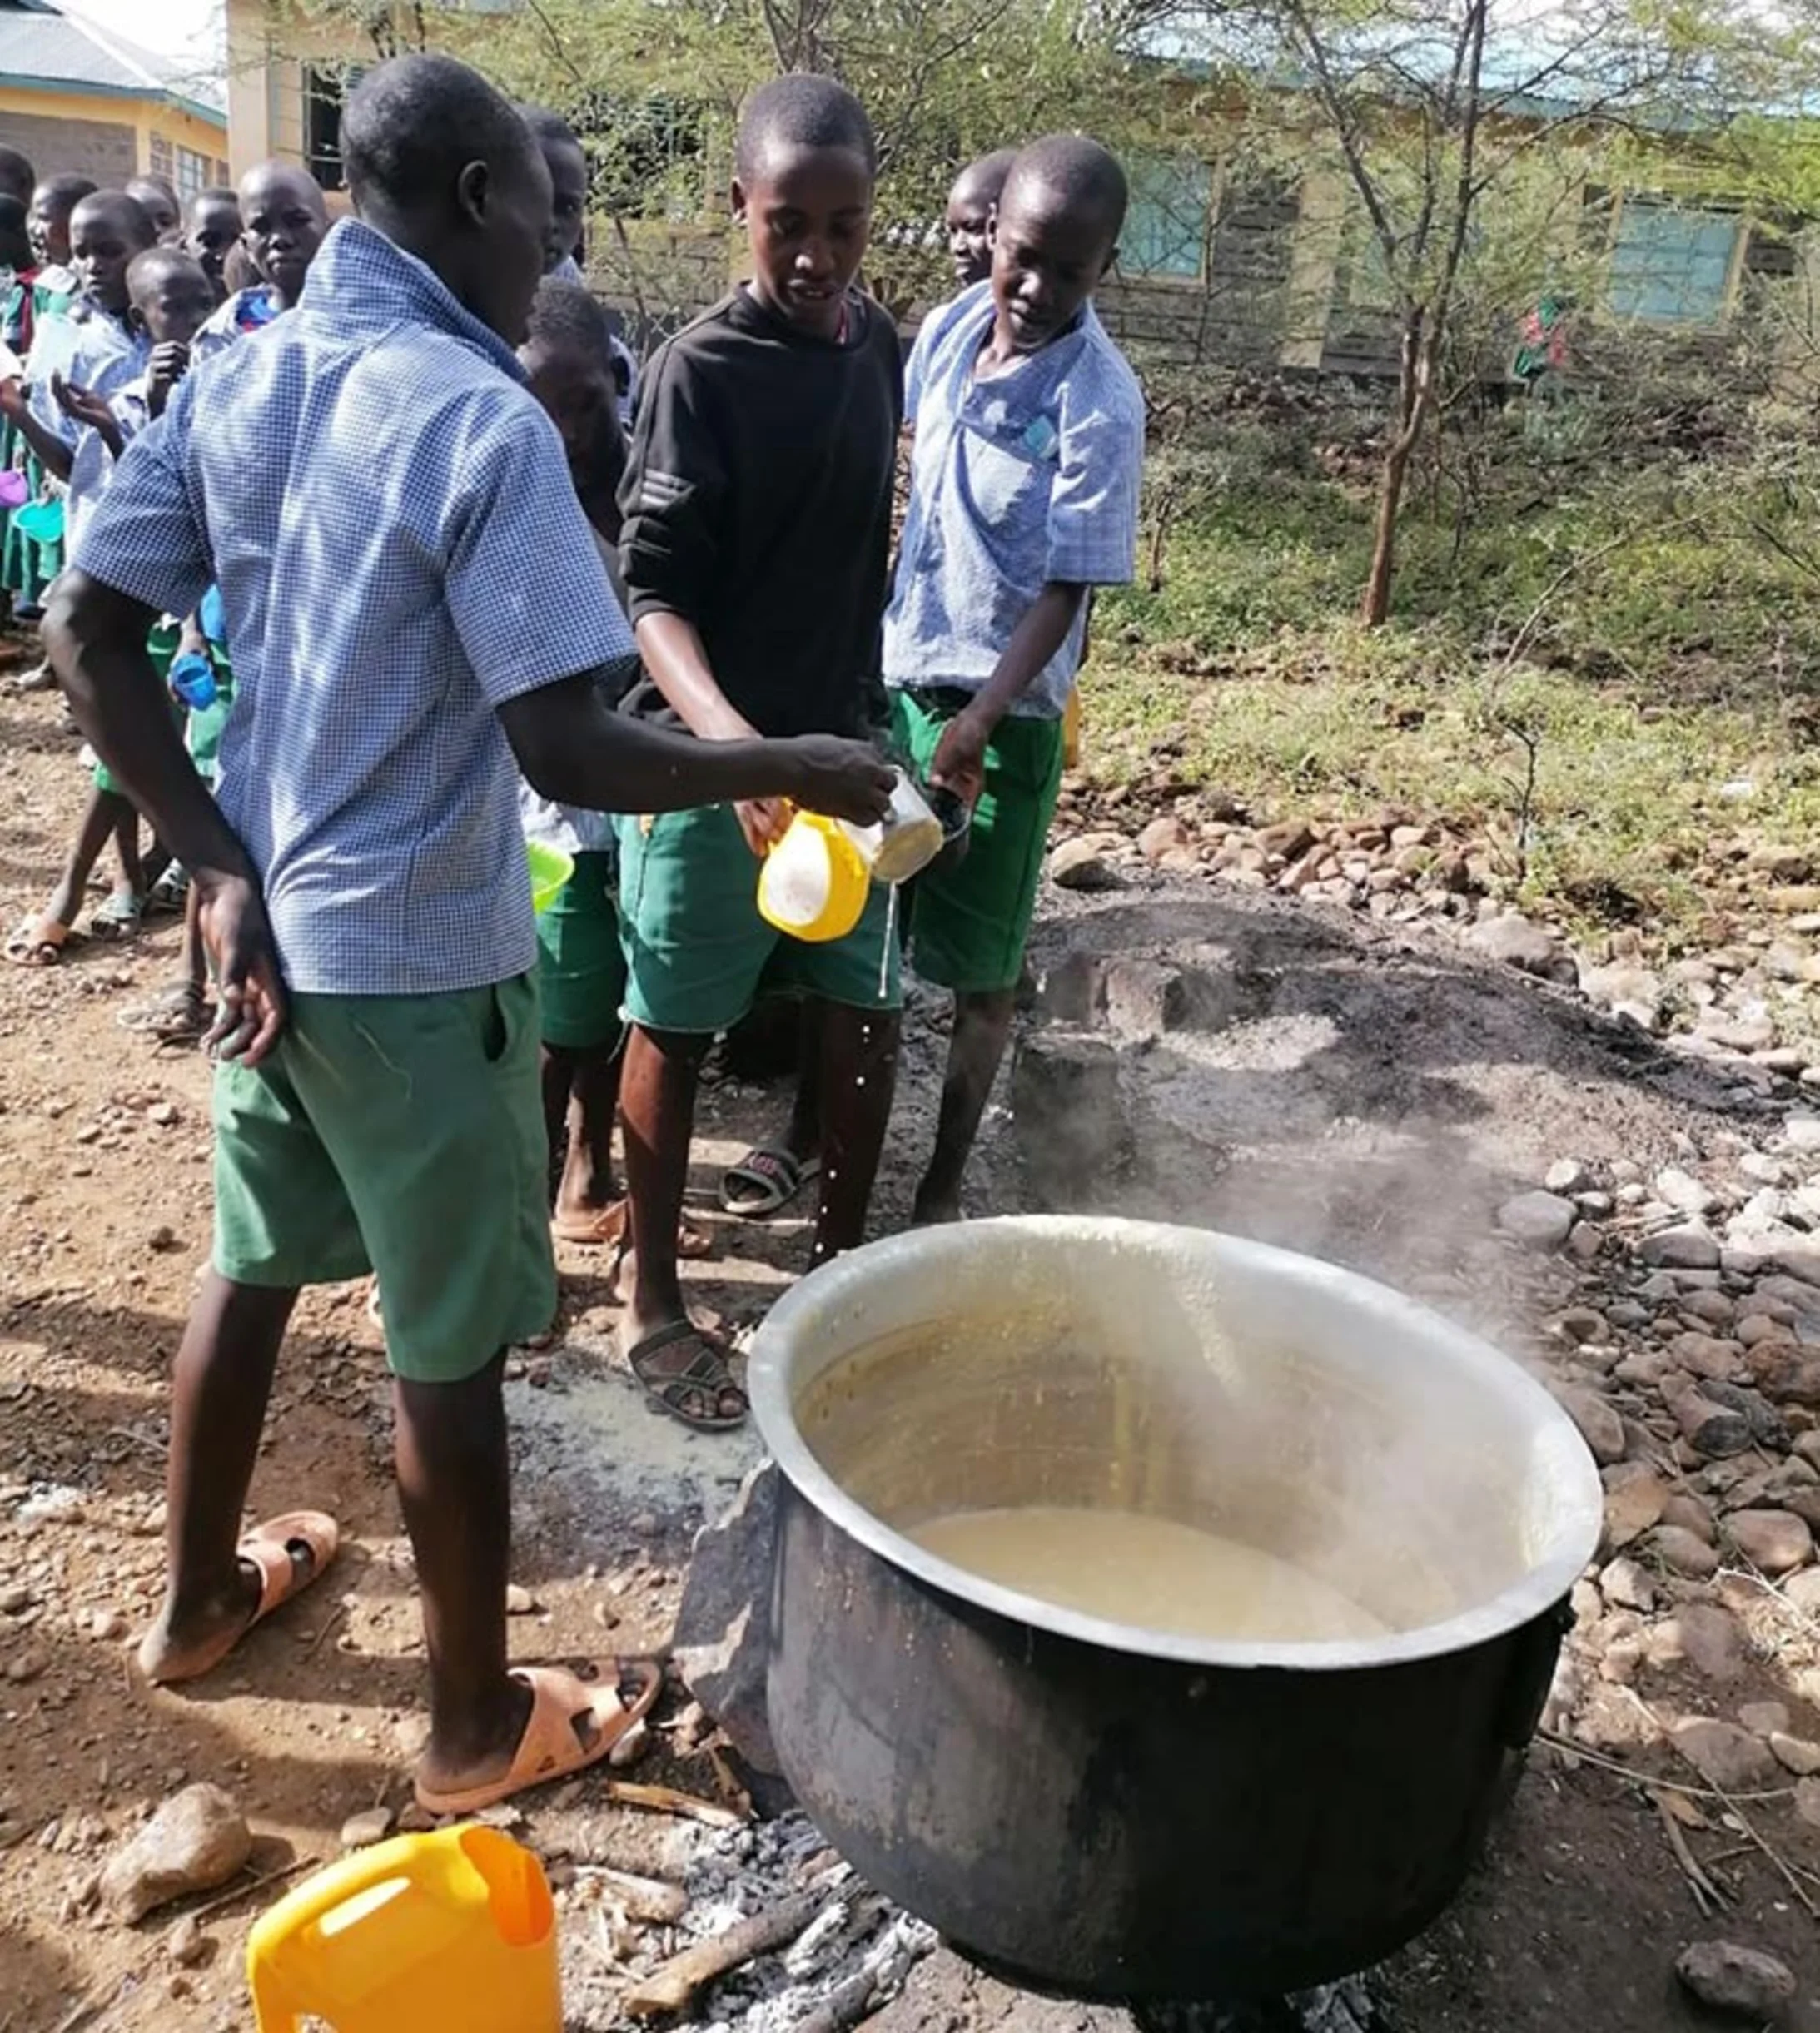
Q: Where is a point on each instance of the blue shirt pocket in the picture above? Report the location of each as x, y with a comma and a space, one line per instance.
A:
1012, 457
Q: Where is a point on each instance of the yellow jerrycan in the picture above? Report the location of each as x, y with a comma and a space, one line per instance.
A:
453, 1932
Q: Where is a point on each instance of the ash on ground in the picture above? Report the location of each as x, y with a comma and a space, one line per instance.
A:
852, 1957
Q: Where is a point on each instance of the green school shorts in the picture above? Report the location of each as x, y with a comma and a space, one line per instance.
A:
580, 963
697, 951
969, 924
402, 1134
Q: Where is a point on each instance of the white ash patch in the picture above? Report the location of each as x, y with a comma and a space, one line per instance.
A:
857, 1933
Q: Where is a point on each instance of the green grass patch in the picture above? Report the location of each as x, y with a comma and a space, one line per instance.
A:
1648, 644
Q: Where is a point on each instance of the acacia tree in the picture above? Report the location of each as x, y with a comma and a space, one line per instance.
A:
655, 90
1450, 120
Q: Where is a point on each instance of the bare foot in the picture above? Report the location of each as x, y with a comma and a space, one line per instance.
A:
184, 1646
453, 1764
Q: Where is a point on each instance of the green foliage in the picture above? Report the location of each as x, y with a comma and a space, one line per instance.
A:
1639, 611
655, 90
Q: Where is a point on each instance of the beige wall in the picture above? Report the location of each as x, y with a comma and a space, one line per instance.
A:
108, 137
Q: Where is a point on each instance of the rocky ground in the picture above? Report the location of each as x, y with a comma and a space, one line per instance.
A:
1225, 1031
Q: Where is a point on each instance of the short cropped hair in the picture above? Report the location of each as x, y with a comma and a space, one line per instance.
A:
412, 126
803, 110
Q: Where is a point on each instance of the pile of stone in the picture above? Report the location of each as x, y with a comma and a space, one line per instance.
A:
1749, 1001
1690, 1361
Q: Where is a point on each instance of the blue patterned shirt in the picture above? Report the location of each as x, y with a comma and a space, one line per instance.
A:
1018, 481
390, 516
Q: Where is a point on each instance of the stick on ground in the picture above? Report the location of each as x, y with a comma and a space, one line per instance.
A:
672, 1987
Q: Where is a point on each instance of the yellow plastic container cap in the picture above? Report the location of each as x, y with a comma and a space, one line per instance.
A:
814, 882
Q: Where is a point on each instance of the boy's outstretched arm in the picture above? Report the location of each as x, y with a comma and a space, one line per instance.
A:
54, 454
959, 762
573, 750
96, 637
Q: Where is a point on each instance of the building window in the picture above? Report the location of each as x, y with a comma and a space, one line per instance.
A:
1671, 267
191, 174
324, 93
160, 164
1165, 229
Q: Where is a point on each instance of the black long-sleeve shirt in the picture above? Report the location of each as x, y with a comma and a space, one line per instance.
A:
758, 506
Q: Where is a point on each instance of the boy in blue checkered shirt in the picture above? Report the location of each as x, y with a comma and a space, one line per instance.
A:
1029, 451
414, 601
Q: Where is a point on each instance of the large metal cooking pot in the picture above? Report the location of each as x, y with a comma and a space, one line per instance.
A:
1117, 1812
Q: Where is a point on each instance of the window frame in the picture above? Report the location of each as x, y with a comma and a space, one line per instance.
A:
1213, 175
1709, 209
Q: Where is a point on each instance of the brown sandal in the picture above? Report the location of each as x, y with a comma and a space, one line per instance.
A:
699, 1392
269, 1547
550, 1748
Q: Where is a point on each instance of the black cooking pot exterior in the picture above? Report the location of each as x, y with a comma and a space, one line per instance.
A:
1114, 1825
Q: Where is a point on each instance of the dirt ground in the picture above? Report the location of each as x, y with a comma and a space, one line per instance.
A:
1573, 1920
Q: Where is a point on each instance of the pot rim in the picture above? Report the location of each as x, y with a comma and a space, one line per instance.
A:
1579, 1501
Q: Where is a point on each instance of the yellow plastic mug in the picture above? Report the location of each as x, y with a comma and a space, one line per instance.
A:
814, 880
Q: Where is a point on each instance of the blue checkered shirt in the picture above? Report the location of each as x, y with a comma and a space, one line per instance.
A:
390, 519
1029, 478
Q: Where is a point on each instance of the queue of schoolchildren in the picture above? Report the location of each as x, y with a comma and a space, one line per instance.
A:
354, 577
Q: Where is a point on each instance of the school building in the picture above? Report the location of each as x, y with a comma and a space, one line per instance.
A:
1216, 266
76, 97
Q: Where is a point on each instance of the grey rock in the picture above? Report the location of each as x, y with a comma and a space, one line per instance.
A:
1600, 1426
1568, 1175
1623, 987
1705, 1355
361, 1831
1724, 1755
1626, 1585
1776, 1542
1795, 1754
1801, 1132
1517, 942
1768, 1718
1704, 1636
1711, 1429
1543, 1221
197, 1840
1745, 1030
1766, 1425
1684, 1192
186, 1945
724, 1624
1743, 1983
1714, 1308
1084, 863
1679, 1248
1682, 1552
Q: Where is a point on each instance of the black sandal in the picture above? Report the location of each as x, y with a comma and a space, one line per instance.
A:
698, 1394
